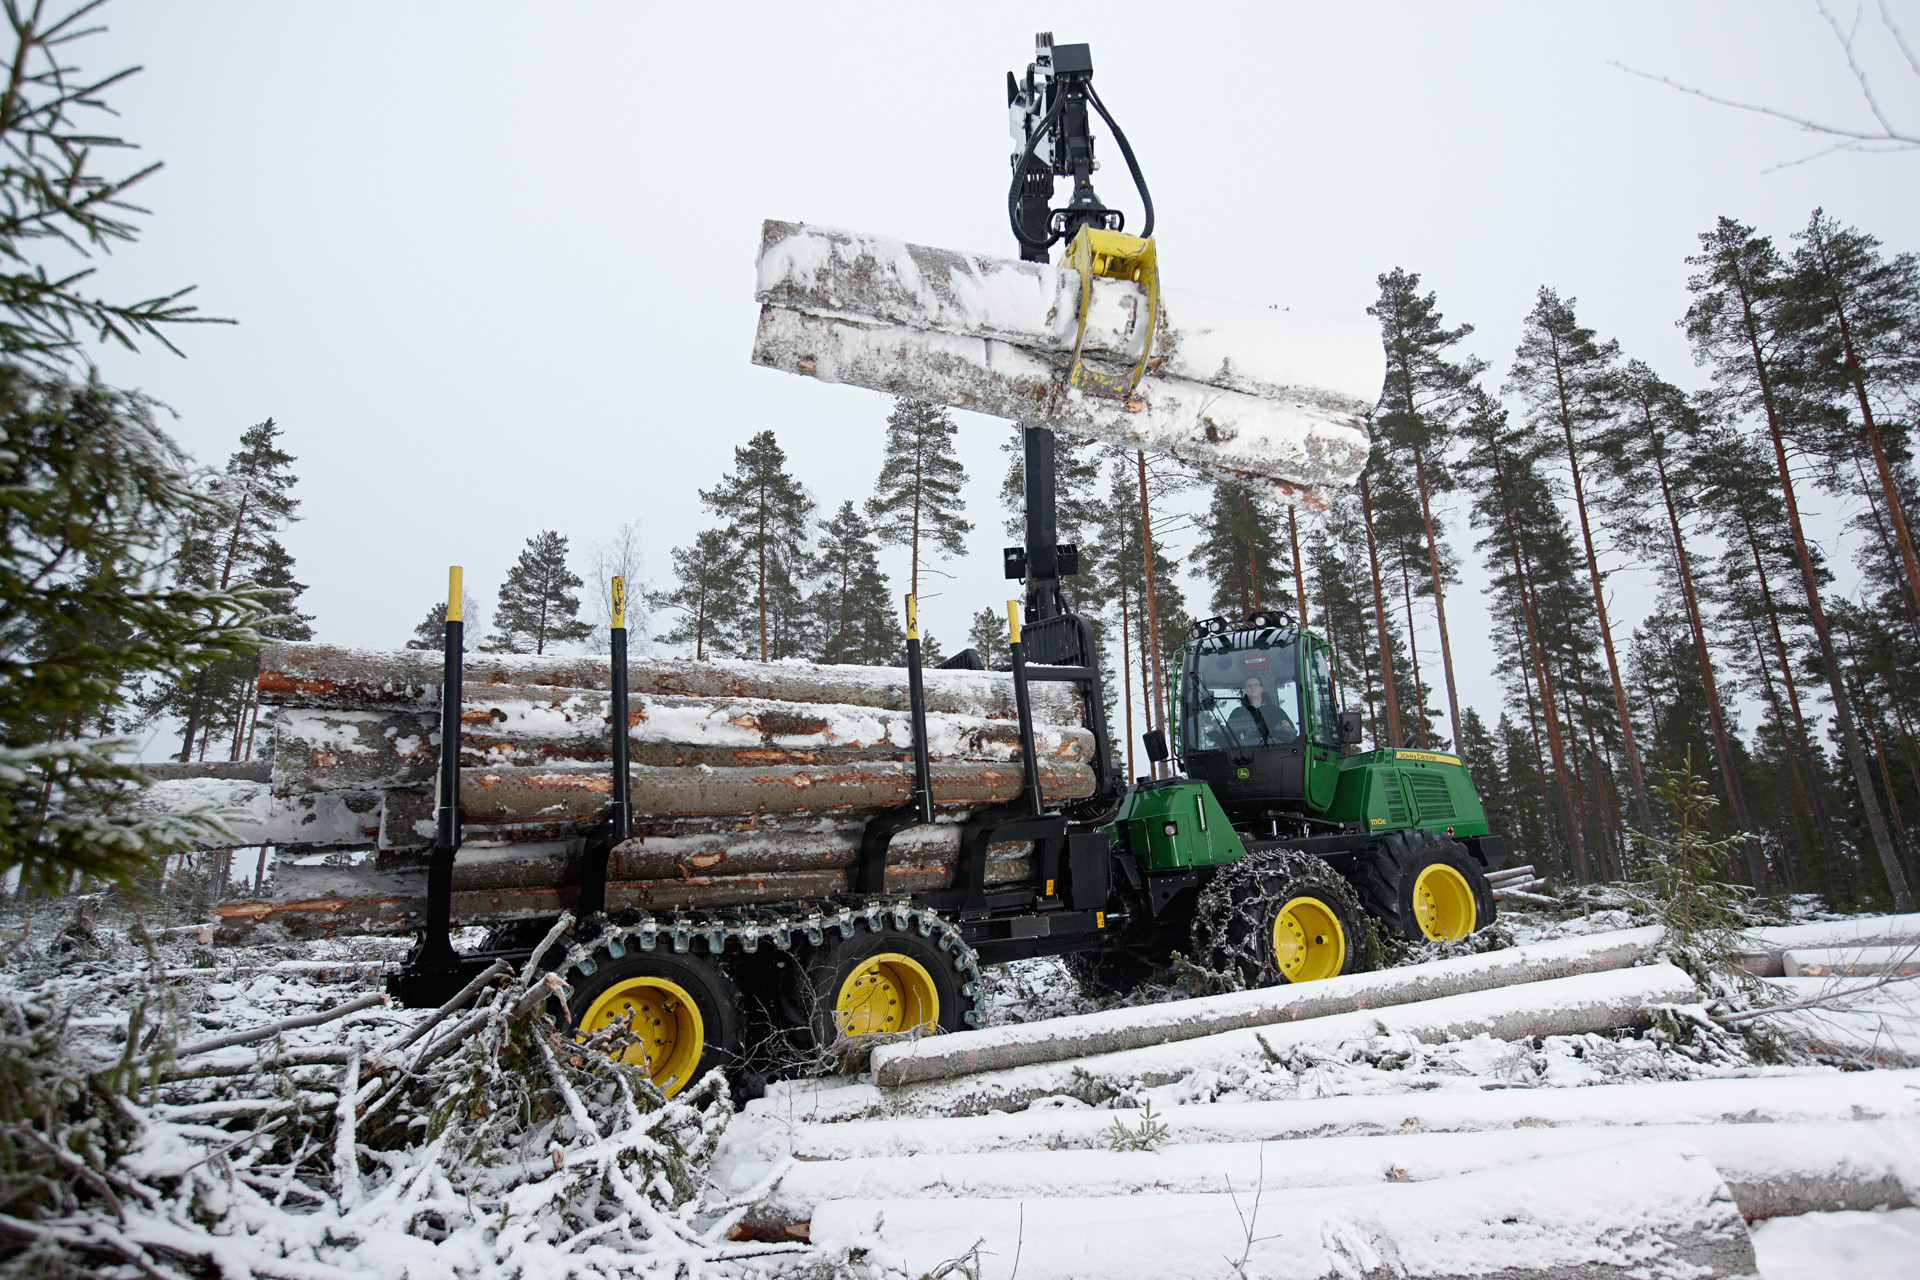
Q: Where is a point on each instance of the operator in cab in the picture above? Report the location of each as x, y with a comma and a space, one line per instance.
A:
1257, 722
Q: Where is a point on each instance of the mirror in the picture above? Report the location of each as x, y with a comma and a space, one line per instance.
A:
1350, 728
1155, 742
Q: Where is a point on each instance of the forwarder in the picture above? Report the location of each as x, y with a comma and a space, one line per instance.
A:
1264, 857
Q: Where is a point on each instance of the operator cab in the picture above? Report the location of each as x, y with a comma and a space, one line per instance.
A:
1259, 715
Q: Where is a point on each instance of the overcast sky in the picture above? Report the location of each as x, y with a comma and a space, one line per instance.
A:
493, 263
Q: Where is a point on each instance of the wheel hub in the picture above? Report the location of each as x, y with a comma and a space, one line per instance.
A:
889, 993
1443, 903
671, 1035
1308, 942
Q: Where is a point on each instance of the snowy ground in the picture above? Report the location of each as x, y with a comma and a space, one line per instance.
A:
216, 1156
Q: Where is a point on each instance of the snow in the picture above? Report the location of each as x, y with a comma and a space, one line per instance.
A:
1822, 1246
1822, 962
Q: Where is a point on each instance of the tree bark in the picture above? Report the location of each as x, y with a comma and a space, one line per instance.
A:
1836, 681
1380, 618
1641, 804
1413, 653
1299, 576
1722, 740
1439, 595
1554, 745
1157, 692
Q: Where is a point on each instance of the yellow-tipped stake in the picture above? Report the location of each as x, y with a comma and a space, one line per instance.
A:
436, 944
619, 604
1013, 621
453, 593
1023, 708
917, 714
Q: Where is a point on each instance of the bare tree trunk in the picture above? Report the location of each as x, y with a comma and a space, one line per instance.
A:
1299, 575
1816, 614
1439, 595
1722, 740
1792, 754
1153, 613
1641, 804
1554, 744
1380, 618
1413, 652
1126, 672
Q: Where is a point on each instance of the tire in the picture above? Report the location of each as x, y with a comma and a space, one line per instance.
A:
1103, 974
885, 979
1279, 917
1425, 887
685, 1009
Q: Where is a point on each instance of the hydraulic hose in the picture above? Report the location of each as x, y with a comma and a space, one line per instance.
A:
1133, 166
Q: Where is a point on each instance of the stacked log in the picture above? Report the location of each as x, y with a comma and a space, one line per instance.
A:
751, 782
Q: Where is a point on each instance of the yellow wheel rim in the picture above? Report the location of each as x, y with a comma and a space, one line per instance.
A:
889, 992
667, 1021
1443, 903
1308, 942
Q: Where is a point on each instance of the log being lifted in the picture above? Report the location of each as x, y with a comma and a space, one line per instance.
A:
1253, 393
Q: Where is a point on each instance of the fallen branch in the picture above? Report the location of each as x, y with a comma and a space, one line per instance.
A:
560, 926
452, 1006
275, 1028
1824, 1001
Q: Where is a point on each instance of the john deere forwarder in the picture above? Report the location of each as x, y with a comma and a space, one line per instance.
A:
1263, 855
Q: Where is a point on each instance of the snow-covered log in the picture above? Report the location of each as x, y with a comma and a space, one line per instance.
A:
1766, 948
1245, 391
1055, 1039
1771, 1169
1807, 1097
1649, 1207
1851, 962
253, 816
324, 675
1563, 1006
325, 749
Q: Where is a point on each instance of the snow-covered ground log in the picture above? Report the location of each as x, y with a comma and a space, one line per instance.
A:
1653, 1207
1562, 1006
1766, 954
1803, 1098
1852, 962
1247, 391
1056, 1039
1771, 1169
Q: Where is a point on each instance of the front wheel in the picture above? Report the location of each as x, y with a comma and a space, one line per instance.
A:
1279, 917
1425, 887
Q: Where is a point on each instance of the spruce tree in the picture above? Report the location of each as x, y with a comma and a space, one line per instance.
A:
1735, 325
707, 595
767, 510
431, 633
1568, 380
917, 500
538, 605
987, 636
853, 606
95, 499
1420, 406
1240, 552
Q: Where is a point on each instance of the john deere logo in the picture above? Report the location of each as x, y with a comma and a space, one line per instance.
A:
1243, 773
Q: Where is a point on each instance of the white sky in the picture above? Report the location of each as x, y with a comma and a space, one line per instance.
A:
493, 263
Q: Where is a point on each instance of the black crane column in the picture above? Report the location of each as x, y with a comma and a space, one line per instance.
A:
1043, 526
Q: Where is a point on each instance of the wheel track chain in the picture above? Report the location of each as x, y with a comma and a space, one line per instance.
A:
810, 921
1229, 935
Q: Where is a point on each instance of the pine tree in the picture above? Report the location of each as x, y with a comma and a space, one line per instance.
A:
917, 500
1239, 552
853, 606
707, 595
1424, 396
768, 512
1735, 326
537, 606
1648, 457
229, 546
1568, 381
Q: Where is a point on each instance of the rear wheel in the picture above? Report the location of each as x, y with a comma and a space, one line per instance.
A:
1279, 917
885, 982
1425, 887
681, 1007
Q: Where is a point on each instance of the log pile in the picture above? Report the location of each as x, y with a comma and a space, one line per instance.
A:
751, 782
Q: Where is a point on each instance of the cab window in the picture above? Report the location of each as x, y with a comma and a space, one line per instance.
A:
1243, 692
1326, 704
